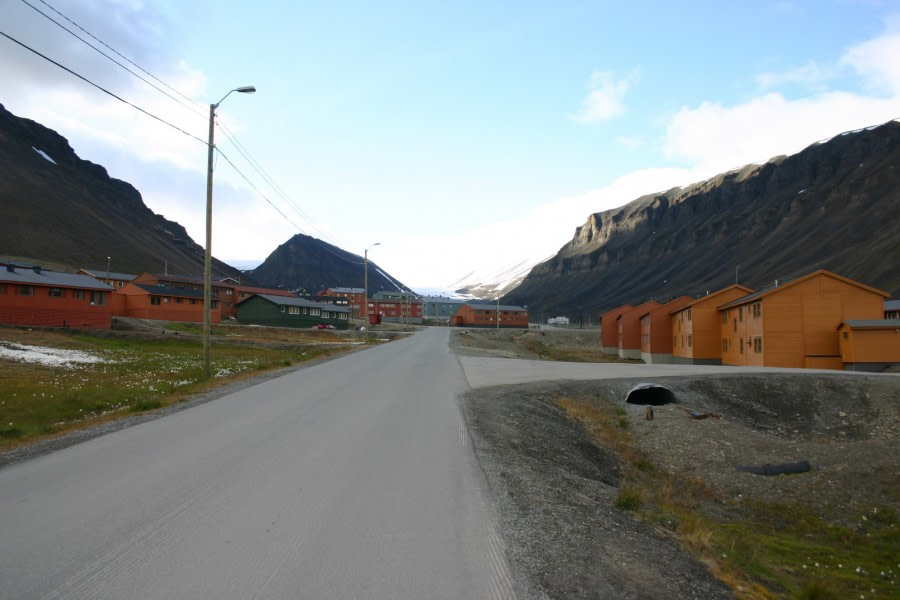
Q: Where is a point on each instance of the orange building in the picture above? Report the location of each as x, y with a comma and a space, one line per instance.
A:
228, 290
628, 328
609, 332
697, 330
355, 296
163, 303
656, 331
38, 297
872, 345
489, 315
794, 324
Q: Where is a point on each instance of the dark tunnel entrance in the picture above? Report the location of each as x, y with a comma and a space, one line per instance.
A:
650, 393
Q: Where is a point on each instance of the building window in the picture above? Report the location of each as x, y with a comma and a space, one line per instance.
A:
26, 290
315, 312
741, 345
756, 309
154, 300
179, 300
55, 292
193, 301
690, 341
98, 298
757, 345
281, 308
294, 310
741, 314
2, 288
689, 315
734, 326
120, 283
846, 336
79, 294
724, 317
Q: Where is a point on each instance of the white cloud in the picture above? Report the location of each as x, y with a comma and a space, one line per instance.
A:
606, 97
811, 75
878, 62
715, 137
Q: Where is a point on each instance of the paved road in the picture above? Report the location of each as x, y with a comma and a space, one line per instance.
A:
484, 372
353, 478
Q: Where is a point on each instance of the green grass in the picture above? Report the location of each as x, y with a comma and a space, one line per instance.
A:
761, 550
136, 375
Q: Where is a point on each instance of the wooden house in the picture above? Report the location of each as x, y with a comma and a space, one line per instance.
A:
163, 303
609, 332
38, 297
869, 345
394, 307
489, 314
656, 331
284, 311
794, 324
697, 330
628, 329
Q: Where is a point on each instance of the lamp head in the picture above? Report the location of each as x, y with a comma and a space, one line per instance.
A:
247, 89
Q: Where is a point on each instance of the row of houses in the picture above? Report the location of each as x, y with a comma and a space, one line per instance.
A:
821, 320
90, 299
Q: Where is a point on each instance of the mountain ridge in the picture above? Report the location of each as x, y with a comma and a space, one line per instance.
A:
833, 205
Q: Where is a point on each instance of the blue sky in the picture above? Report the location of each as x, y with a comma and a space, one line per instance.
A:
463, 136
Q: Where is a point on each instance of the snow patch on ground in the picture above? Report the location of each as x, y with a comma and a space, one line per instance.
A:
49, 357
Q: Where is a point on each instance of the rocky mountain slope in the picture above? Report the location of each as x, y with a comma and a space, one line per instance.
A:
834, 206
304, 262
59, 209
67, 213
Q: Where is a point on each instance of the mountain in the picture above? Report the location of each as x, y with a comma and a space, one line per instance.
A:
59, 209
304, 262
834, 205
488, 285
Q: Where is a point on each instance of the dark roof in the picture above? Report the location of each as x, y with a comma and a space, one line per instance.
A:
871, 323
163, 290
892, 305
112, 275
36, 276
294, 301
347, 290
487, 306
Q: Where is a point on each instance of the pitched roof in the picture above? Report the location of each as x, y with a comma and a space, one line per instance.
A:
111, 275
777, 288
712, 296
37, 276
165, 290
487, 306
870, 323
295, 301
347, 290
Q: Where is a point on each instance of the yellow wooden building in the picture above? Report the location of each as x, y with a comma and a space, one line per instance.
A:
795, 324
696, 329
871, 345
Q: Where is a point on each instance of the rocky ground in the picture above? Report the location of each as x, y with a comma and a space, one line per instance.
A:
555, 485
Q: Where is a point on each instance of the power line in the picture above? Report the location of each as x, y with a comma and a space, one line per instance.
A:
114, 51
230, 136
102, 89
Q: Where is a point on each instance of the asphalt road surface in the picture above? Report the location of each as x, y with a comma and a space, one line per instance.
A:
353, 478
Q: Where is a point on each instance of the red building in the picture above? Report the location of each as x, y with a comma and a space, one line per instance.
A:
35, 296
355, 296
609, 329
163, 303
394, 307
656, 331
489, 315
628, 329
228, 290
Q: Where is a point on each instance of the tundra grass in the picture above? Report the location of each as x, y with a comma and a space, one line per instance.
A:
761, 550
131, 375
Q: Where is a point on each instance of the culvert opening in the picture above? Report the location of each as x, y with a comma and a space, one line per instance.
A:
651, 394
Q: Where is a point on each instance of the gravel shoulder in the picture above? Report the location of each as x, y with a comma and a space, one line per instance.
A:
555, 486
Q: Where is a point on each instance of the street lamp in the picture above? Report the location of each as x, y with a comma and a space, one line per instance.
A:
207, 263
366, 279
